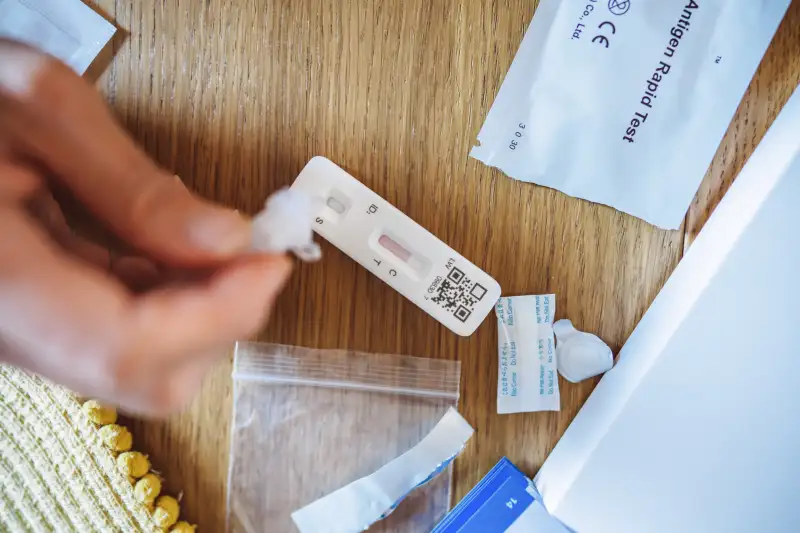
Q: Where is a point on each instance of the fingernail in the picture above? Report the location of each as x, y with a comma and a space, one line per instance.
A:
222, 232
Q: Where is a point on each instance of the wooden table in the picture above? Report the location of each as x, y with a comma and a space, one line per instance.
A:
237, 95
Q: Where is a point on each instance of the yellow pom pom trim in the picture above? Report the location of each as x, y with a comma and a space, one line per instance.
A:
166, 512
183, 527
147, 489
116, 438
100, 414
133, 464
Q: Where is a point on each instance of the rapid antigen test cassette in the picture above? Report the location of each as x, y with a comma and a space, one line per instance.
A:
396, 249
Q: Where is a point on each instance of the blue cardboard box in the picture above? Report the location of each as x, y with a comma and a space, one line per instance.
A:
505, 501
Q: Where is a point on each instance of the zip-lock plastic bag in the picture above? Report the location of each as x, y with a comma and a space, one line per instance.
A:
624, 102
308, 422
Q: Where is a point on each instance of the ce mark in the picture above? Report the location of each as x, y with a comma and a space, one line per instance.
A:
602, 39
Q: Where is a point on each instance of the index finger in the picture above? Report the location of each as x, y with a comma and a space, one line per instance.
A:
78, 326
51, 115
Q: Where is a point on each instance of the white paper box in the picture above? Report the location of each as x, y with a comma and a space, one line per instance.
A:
697, 428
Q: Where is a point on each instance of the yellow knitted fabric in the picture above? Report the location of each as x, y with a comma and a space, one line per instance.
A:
56, 474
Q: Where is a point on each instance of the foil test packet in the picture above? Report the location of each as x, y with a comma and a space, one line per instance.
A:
66, 29
624, 102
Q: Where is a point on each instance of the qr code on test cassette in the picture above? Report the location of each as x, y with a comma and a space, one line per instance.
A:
458, 294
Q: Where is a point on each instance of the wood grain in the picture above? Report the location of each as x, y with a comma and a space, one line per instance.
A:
237, 95
776, 79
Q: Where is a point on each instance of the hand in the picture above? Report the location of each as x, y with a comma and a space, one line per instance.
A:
140, 331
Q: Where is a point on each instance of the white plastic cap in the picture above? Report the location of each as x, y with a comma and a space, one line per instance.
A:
285, 225
580, 355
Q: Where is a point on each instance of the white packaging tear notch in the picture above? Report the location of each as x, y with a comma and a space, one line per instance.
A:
625, 102
580, 355
396, 249
527, 379
360, 504
66, 29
